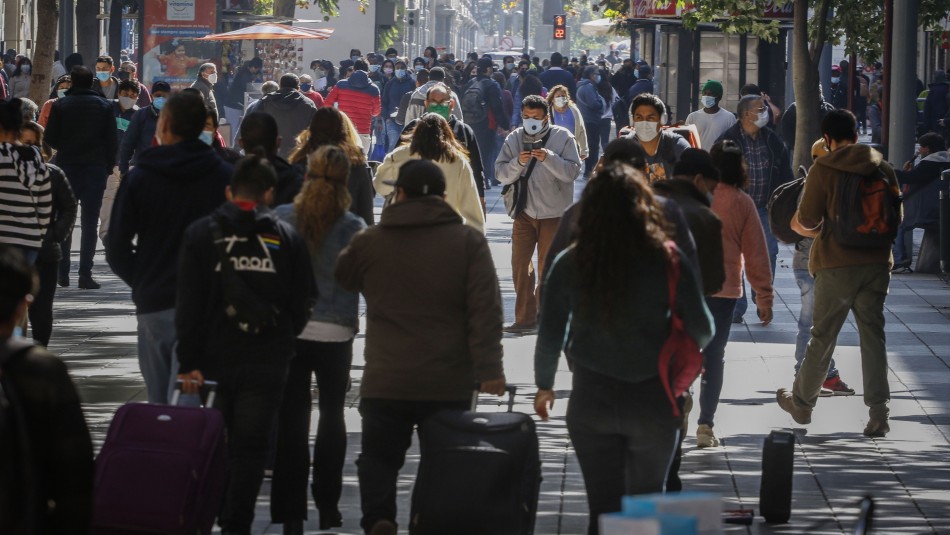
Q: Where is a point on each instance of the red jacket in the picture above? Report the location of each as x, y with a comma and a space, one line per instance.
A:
317, 98
358, 98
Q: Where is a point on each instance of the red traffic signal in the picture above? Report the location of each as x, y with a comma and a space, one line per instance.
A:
560, 27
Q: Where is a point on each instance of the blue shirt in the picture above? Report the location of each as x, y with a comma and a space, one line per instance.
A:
565, 119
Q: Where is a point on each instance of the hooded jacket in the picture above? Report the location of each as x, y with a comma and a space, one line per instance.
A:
172, 186
26, 197
819, 204
138, 137
272, 260
921, 189
293, 113
423, 272
935, 105
358, 98
590, 102
551, 184
704, 226
461, 192
393, 92
417, 103
82, 129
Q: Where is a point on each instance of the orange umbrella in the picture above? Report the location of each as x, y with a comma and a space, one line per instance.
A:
270, 31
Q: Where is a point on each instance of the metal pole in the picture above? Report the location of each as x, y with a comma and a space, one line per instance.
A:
902, 100
886, 87
525, 17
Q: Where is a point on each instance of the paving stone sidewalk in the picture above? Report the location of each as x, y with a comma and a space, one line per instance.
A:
908, 472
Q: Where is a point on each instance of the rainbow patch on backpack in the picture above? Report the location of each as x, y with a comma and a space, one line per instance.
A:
271, 241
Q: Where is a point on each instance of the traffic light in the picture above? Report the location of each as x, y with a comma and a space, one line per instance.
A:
560, 27
411, 17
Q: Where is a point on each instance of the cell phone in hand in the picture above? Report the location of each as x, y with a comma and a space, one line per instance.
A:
530, 146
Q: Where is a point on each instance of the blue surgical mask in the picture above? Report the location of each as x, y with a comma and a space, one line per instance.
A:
835, 79
103, 76
159, 103
420, 67
400, 73
708, 101
354, 58
305, 87
374, 68
597, 79
25, 69
207, 136
60, 93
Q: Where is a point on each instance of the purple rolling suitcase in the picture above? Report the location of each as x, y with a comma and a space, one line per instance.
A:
162, 469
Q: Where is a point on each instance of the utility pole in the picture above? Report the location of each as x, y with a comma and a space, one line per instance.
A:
902, 77
526, 10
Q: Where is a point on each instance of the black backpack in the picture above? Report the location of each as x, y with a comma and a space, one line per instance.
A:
782, 206
867, 211
474, 107
244, 307
17, 483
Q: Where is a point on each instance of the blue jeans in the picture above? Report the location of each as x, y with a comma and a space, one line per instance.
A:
903, 248
488, 149
393, 130
714, 355
387, 434
249, 397
772, 244
593, 146
156, 345
624, 435
605, 123
806, 283
89, 183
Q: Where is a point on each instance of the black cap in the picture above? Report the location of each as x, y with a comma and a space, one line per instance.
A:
419, 177
161, 85
696, 162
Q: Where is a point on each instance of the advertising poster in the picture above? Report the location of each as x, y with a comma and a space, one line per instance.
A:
171, 53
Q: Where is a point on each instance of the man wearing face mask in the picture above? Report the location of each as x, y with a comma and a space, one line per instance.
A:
663, 147
711, 120
374, 62
439, 100
592, 106
207, 77
124, 109
140, 134
543, 158
393, 91
417, 107
234, 97
105, 84
82, 129
768, 165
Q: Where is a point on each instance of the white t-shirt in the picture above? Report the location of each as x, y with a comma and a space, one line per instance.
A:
711, 125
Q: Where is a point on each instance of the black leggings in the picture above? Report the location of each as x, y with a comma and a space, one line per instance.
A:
41, 311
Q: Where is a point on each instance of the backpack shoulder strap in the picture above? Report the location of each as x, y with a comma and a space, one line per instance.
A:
673, 271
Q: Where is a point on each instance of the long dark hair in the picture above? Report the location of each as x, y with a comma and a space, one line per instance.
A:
727, 158
620, 224
432, 139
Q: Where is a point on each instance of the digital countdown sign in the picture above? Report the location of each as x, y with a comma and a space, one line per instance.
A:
560, 27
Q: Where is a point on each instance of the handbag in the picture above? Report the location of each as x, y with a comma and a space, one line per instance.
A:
681, 360
515, 195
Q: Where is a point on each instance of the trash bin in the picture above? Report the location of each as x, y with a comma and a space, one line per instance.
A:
945, 221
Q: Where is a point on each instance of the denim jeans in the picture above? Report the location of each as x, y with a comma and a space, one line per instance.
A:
249, 398
330, 362
387, 434
806, 283
393, 130
772, 244
156, 345
593, 146
714, 355
903, 247
89, 183
488, 149
860, 290
605, 124
624, 435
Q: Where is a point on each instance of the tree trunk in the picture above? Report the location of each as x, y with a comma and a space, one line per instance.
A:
87, 31
284, 8
47, 14
805, 84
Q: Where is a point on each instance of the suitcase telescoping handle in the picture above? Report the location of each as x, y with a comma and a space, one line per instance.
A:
212, 387
511, 389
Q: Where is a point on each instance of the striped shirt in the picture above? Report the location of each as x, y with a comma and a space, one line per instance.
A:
26, 199
757, 159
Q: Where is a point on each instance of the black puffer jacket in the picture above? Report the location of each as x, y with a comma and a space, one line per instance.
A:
81, 128
63, 217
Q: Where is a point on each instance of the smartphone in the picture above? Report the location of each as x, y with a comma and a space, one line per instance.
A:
528, 147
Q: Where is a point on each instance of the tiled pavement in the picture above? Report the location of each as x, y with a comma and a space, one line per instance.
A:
908, 472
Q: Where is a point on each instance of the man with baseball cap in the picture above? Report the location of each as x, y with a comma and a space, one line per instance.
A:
711, 120
424, 349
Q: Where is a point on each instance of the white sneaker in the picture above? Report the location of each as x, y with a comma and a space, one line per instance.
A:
705, 437
826, 393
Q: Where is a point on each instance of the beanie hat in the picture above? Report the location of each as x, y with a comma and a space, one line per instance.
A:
714, 87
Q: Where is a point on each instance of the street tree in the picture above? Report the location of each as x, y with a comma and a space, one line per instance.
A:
47, 11
330, 8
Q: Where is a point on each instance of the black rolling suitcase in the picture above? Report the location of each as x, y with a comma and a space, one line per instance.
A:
479, 474
775, 493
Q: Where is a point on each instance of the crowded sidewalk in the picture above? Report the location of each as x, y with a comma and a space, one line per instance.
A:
907, 473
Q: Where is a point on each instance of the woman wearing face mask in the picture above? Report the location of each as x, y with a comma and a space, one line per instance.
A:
211, 137
325, 77
592, 106
389, 70
141, 132
63, 83
395, 88
565, 113
62, 219
124, 108
20, 81
663, 147
431, 56
432, 139
306, 87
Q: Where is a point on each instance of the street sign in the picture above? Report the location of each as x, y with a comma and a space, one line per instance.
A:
560, 27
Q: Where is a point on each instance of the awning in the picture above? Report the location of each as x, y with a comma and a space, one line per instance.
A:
270, 31
596, 28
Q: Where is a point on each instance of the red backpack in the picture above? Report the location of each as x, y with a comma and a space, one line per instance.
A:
680, 361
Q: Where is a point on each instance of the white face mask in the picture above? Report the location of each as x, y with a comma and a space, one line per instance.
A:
708, 101
560, 102
533, 126
126, 102
213, 78
646, 130
763, 119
